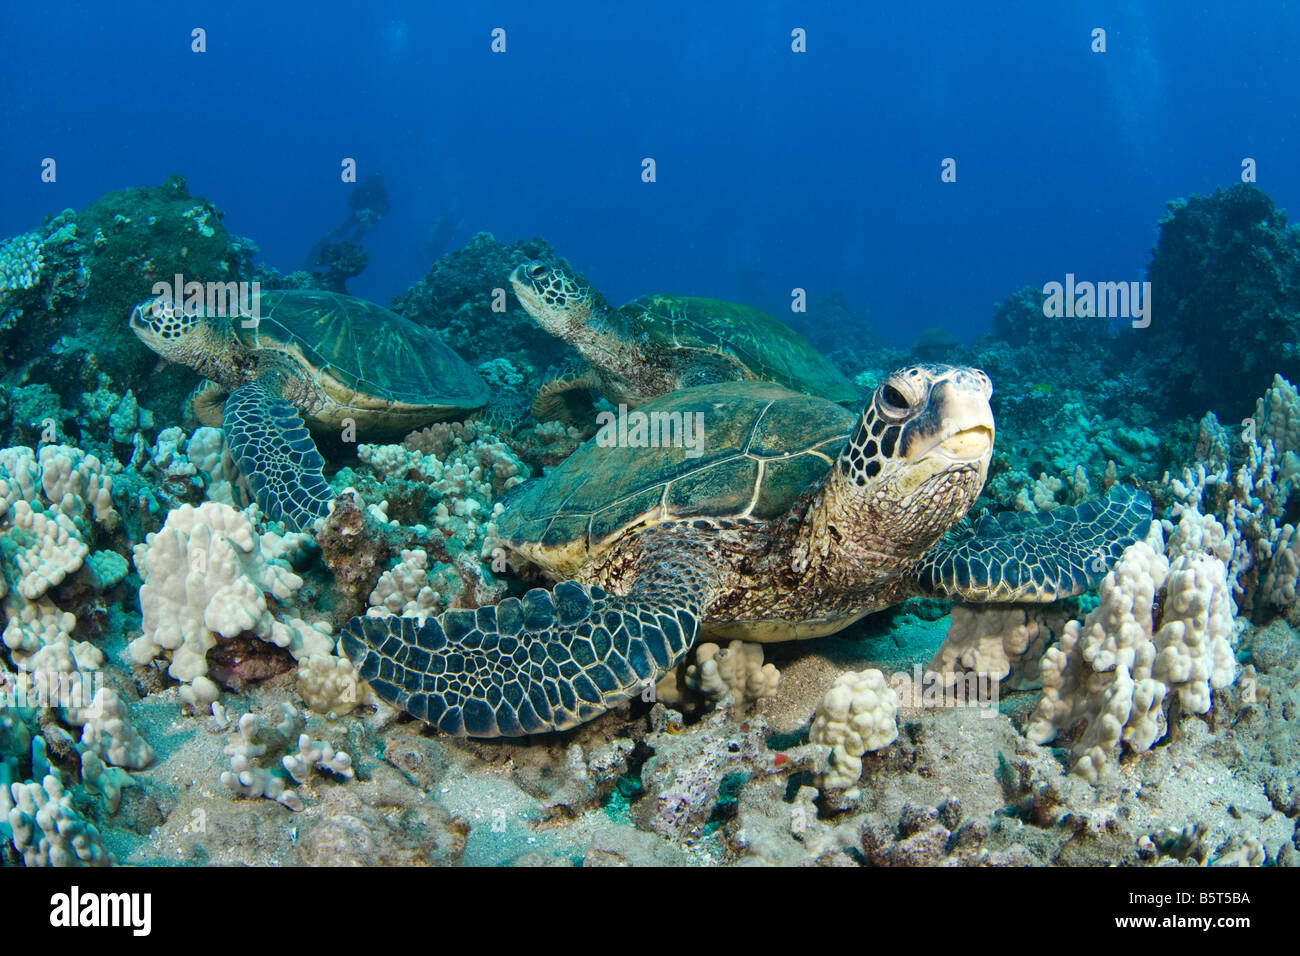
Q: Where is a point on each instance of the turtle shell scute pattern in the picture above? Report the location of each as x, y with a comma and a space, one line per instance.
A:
364, 347
763, 446
763, 346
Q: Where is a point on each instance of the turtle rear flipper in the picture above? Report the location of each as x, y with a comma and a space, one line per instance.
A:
276, 456
544, 663
1039, 557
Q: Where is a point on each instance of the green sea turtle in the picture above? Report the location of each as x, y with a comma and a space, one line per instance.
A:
798, 519
322, 356
659, 343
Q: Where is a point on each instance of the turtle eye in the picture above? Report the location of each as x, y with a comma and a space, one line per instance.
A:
892, 401
536, 270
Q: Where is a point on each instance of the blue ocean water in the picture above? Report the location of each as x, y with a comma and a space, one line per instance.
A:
775, 169
230, 523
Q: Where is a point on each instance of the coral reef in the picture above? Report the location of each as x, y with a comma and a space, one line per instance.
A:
53, 507
170, 692
75, 280
1225, 288
34, 279
466, 296
417, 533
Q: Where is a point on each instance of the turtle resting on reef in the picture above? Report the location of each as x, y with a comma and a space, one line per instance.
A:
659, 343
796, 521
320, 356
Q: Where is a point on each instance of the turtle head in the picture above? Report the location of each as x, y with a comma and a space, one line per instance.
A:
561, 301
162, 325
175, 333
920, 453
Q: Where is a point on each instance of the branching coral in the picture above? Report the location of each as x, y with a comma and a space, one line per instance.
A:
207, 576
47, 830
107, 732
994, 641
1112, 675
1237, 516
738, 670
50, 505
31, 279
260, 740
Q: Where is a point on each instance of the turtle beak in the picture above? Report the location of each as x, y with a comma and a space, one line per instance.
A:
968, 445
963, 434
139, 321
524, 290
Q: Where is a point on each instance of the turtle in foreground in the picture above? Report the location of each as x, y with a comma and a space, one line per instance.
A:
320, 356
659, 343
798, 519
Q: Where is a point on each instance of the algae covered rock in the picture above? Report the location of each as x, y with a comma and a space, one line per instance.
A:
1225, 288
466, 296
77, 278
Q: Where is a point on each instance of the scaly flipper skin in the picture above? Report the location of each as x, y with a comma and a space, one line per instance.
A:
206, 403
1036, 558
276, 456
566, 400
548, 662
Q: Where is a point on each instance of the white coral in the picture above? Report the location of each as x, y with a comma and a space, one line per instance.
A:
258, 738
35, 624
47, 829
1193, 646
1114, 671
856, 715
316, 754
738, 670
208, 451
76, 481
406, 589
206, 577
991, 640
54, 549
330, 685
108, 733
246, 777
1277, 415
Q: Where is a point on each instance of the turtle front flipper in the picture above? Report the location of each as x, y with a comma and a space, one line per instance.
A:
547, 662
566, 399
206, 403
1039, 557
276, 456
